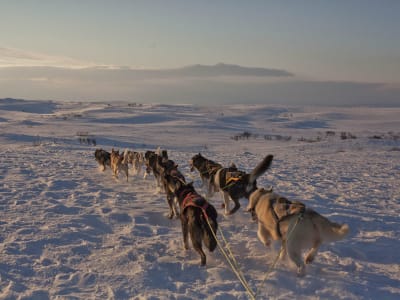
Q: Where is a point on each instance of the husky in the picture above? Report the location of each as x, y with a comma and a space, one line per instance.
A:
118, 163
235, 184
136, 159
198, 218
299, 228
152, 159
171, 179
207, 169
103, 158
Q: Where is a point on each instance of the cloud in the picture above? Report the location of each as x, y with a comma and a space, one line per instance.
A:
35, 77
12, 57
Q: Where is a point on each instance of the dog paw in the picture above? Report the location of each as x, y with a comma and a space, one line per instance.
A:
309, 259
301, 271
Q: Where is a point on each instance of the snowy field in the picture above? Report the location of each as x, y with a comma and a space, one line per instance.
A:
70, 231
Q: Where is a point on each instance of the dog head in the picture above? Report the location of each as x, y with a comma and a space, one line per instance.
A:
254, 199
182, 189
195, 161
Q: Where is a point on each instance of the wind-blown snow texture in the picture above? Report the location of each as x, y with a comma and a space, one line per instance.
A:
68, 230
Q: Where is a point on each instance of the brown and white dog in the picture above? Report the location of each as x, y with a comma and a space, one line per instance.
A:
118, 163
136, 159
299, 228
171, 179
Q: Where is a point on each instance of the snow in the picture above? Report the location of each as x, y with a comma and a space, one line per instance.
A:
70, 231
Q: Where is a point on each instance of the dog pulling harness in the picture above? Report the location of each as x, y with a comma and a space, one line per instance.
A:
195, 200
283, 201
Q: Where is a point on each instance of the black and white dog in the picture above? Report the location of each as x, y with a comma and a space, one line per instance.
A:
198, 218
206, 168
231, 182
103, 158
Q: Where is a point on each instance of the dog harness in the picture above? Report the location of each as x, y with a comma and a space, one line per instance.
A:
195, 200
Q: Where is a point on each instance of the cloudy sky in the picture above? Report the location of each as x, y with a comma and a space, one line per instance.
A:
284, 52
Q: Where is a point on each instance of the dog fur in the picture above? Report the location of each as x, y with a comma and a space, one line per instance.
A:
299, 228
206, 168
194, 220
119, 163
103, 158
136, 159
153, 161
235, 184
171, 179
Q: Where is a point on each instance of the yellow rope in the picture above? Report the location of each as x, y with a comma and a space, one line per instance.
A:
272, 266
233, 264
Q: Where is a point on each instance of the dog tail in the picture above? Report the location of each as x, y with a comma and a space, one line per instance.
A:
261, 168
331, 231
208, 235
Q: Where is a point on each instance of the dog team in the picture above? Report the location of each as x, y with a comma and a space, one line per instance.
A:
298, 227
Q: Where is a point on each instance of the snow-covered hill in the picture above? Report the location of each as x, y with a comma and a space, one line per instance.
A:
69, 231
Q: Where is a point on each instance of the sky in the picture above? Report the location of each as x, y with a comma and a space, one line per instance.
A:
285, 52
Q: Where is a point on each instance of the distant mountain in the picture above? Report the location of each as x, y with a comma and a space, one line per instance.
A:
222, 69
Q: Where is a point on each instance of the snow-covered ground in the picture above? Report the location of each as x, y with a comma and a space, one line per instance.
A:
70, 231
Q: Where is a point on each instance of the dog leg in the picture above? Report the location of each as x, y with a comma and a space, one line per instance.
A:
236, 207
209, 189
282, 254
170, 200
126, 173
185, 231
175, 206
263, 235
196, 235
295, 256
226, 202
313, 251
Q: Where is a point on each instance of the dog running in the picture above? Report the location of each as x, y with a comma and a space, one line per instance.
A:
119, 163
103, 158
198, 219
136, 159
235, 184
299, 228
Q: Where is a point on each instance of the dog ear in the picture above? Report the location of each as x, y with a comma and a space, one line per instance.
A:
261, 168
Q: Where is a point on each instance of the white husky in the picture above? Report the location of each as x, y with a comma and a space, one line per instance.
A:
298, 227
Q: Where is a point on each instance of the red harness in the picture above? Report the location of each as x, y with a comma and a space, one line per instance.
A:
190, 200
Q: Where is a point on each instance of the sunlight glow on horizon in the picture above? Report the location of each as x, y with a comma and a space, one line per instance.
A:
339, 42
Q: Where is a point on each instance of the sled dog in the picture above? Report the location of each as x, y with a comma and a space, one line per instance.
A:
206, 168
118, 163
136, 159
235, 184
299, 228
198, 218
103, 158
171, 179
